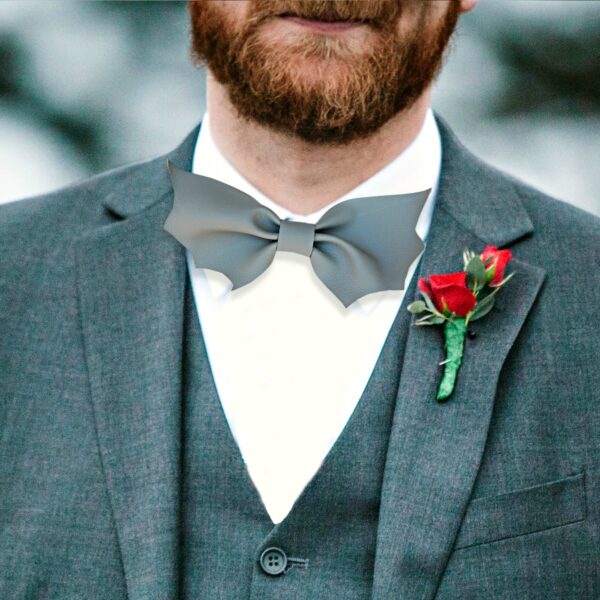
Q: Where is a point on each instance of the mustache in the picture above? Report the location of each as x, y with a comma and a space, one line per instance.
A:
377, 12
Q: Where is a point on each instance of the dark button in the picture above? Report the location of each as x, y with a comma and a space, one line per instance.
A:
273, 561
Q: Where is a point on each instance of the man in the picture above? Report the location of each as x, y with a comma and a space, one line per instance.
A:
166, 436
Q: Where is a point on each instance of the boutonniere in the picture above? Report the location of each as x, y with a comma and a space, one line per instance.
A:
456, 299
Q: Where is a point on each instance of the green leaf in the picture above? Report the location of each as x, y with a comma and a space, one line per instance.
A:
482, 305
429, 302
430, 320
417, 307
483, 308
437, 320
476, 272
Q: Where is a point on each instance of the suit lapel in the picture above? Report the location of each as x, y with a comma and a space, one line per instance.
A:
131, 277
435, 449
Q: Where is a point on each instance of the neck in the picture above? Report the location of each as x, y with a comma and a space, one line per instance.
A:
309, 176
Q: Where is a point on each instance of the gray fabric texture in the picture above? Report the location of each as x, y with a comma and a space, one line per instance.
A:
332, 525
494, 494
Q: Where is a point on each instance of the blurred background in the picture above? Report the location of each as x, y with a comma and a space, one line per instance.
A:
87, 86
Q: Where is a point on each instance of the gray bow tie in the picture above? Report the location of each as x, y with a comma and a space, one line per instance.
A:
357, 247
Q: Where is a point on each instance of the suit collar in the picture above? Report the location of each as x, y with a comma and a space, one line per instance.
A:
488, 205
480, 198
147, 183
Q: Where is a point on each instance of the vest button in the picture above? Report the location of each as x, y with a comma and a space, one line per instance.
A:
273, 561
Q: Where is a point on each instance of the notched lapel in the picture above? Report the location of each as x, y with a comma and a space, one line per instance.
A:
131, 280
131, 277
435, 449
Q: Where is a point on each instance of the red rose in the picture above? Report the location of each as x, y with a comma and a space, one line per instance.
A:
449, 292
498, 263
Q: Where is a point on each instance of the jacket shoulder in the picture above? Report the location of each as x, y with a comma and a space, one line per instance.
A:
71, 210
555, 221
552, 220
554, 216
46, 225
565, 238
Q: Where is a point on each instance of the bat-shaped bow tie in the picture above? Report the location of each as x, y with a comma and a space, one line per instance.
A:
357, 247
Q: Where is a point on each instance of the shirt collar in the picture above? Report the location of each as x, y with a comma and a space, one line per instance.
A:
416, 168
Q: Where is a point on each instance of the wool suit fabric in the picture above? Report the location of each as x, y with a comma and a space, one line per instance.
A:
493, 494
332, 526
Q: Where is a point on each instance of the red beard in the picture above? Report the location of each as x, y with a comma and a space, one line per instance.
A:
344, 92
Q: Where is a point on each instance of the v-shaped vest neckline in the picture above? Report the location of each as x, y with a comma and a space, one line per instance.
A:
193, 328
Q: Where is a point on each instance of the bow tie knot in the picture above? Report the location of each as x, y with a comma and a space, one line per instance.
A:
296, 236
357, 247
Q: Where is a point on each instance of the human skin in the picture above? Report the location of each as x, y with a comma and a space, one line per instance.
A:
272, 114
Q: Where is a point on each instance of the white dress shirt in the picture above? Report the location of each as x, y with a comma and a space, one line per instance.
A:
289, 362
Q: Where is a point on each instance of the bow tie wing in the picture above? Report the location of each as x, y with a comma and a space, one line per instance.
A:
367, 245
224, 229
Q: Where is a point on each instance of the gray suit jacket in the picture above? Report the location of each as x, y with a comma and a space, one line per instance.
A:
494, 494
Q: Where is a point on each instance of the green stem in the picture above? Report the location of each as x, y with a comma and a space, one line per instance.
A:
454, 336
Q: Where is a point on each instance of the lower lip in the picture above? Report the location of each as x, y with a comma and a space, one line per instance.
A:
323, 25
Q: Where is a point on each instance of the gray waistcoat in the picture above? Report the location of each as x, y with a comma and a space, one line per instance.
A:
331, 528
